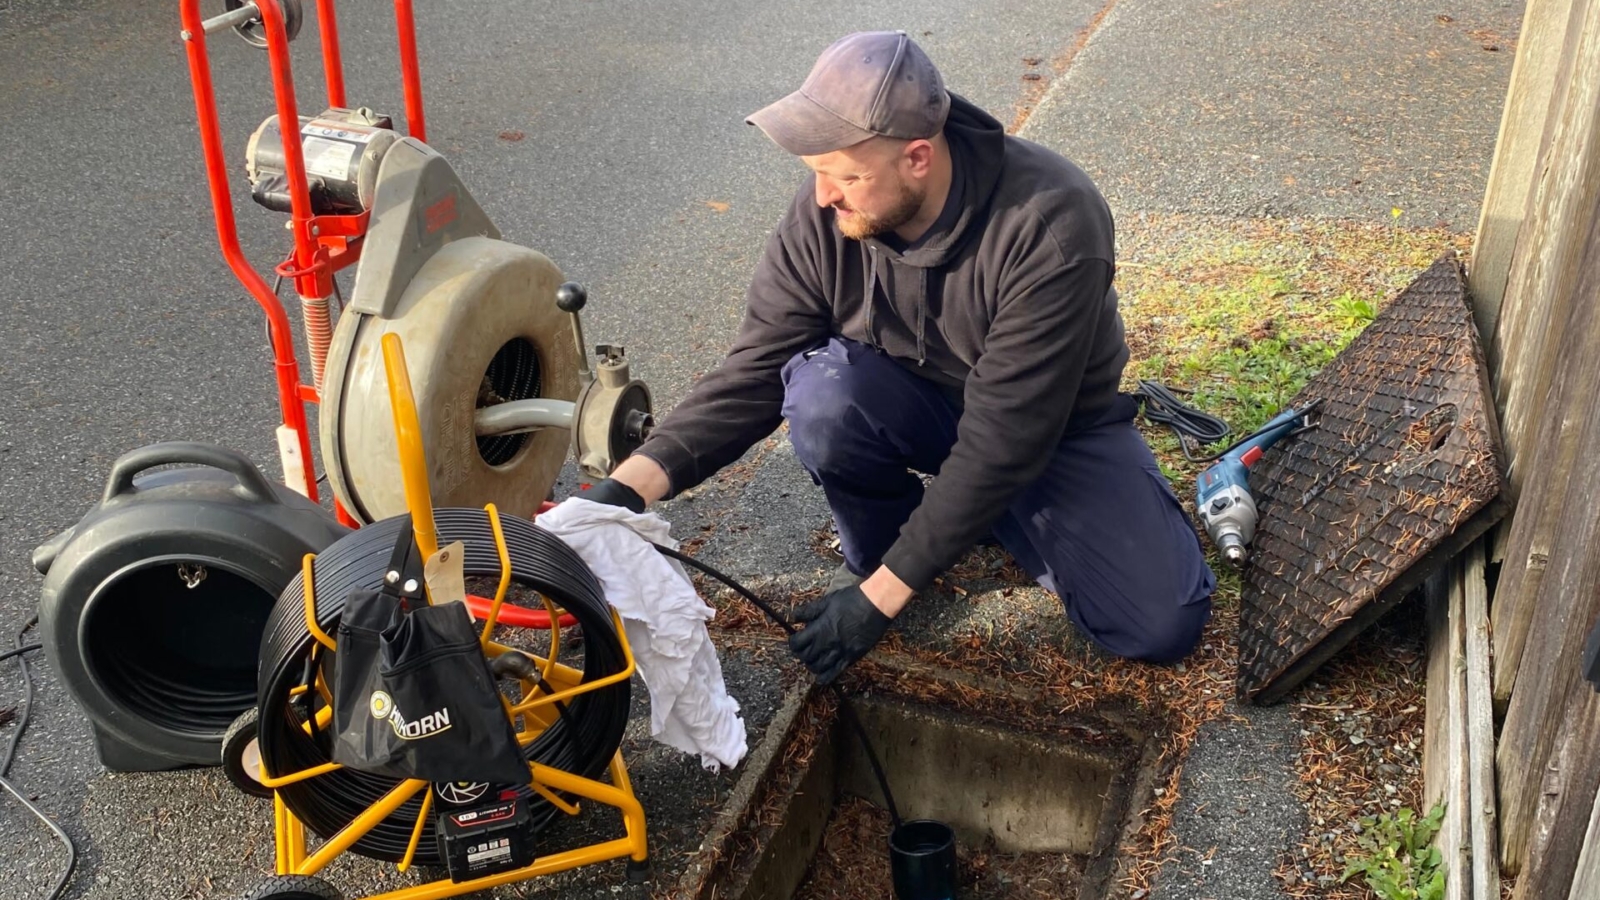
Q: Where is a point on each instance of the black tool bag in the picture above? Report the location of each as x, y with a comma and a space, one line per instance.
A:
413, 696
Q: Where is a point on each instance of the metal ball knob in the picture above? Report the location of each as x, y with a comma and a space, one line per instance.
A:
571, 297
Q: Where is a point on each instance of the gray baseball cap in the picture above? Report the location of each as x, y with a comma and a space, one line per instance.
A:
872, 83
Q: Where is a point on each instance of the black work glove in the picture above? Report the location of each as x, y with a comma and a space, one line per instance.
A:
841, 627
614, 493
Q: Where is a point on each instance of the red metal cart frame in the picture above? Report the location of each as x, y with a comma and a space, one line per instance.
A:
322, 244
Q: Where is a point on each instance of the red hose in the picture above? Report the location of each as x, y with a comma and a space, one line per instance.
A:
517, 616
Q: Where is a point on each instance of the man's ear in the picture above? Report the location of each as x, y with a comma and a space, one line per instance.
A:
919, 155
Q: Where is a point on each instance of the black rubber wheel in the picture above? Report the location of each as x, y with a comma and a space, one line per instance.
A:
241, 755
294, 887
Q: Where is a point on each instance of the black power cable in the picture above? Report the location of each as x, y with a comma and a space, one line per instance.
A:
20, 650
1193, 427
845, 707
11, 756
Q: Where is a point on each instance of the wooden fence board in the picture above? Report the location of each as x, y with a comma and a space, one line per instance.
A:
1445, 731
1566, 799
1483, 821
1513, 172
1586, 882
1558, 591
1549, 279
1539, 289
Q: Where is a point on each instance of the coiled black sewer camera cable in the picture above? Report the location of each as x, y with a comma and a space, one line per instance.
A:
11, 756
582, 742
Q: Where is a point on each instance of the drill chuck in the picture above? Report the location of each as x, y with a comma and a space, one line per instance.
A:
1223, 500
1234, 551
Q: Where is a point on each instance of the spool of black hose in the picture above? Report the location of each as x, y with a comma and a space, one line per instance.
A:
583, 740
153, 604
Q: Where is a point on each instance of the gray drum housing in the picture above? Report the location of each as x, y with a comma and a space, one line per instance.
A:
471, 310
153, 605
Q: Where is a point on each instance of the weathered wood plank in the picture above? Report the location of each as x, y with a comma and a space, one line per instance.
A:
1539, 289
1556, 281
1533, 529
1513, 172
1570, 781
1555, 590
1436, 601
1445, 731
1483, 821
1586, 882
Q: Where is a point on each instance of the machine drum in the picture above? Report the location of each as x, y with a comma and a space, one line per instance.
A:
154, 604
481, 327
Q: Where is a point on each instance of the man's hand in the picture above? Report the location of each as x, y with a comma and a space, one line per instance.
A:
645, 476
635, 484
614, 493
840, 628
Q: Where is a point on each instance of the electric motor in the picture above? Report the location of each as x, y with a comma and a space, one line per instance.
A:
342, 149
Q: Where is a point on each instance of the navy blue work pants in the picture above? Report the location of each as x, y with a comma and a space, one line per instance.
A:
1101, 528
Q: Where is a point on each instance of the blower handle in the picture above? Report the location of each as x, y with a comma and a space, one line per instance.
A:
167, 452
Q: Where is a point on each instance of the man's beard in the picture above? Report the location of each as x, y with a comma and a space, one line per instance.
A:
860, 226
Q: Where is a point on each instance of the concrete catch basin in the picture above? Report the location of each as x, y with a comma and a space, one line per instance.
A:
1039, 803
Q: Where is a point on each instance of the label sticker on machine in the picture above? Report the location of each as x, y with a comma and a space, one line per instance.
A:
330, 159
489, 852
492, 838
338, 131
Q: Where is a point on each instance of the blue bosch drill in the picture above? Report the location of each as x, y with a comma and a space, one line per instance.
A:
1223, 499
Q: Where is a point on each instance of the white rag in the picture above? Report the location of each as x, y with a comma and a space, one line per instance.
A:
665, 622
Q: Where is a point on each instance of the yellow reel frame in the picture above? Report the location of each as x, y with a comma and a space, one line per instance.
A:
533, 712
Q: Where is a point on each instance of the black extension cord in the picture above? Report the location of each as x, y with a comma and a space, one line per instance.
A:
1193, 427
11, 756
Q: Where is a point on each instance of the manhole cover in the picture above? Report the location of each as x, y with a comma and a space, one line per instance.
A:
1401, 474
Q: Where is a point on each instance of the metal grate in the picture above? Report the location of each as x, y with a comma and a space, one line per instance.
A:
1404, 470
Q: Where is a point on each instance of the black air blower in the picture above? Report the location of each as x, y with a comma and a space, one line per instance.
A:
154, 604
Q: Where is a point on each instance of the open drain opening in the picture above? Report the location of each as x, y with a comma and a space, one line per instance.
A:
1035, 814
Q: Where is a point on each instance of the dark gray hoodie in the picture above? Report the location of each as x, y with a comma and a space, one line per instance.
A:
1006, 304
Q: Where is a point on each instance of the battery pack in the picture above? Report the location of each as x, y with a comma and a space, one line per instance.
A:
486, 840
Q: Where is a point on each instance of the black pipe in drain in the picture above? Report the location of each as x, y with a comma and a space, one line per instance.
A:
922, 852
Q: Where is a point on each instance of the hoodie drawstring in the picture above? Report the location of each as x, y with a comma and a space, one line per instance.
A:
922, 319
871, 292
870, 289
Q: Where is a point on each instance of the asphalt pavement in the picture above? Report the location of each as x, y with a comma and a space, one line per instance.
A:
609, 136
